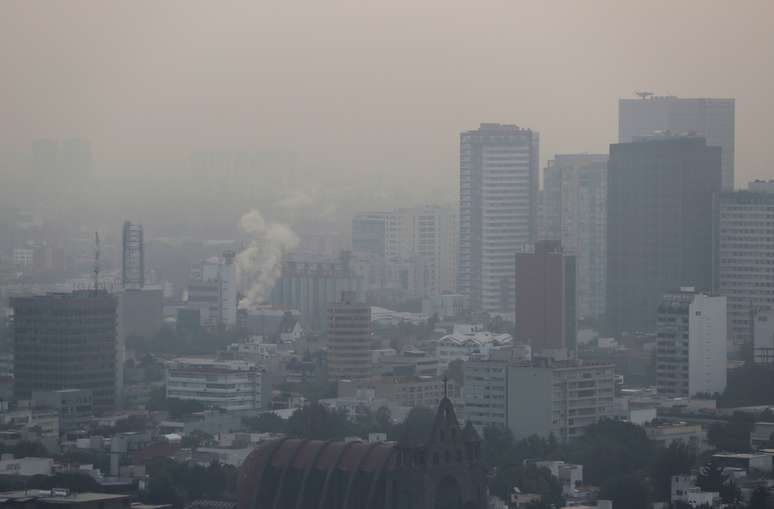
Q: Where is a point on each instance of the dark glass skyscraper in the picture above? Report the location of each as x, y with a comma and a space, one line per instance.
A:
659, 216
66, 341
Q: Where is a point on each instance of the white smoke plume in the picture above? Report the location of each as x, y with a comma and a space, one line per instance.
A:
260, 263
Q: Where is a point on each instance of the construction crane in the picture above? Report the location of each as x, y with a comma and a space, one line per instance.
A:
96, 261
644, 95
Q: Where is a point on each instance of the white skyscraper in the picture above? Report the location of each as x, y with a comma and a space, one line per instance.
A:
712, 119
575, 213
744, 253
692, 346
498, 209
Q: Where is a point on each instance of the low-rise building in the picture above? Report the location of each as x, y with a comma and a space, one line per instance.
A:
228, 385
28, 466
538, 398
569, 475
747, 461
75, 407
761, 435
410, 391
61, 498
684, 489
668, 433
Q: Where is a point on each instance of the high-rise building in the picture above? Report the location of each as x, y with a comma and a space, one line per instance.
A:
349, 338
559, 398
546, 314
745, 257
498, 208
212, 290
427, 231
66, 341
659, 225
575, 212
133, 259
377, 233
691, 354
712, 119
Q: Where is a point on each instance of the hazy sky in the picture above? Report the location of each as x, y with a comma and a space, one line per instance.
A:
364, 87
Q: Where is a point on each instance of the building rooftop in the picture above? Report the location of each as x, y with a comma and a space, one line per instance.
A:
65, 497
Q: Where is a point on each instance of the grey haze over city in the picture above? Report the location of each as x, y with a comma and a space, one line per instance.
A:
386, 255
347, 100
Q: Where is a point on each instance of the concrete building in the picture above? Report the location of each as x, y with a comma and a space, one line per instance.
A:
659, 225
74, 406
428, 232
227, 385
133, 259
712, 119
498, 210
691, 357
575, 213
310, 284
546, 313
213, 290
349, 338
760, 436
27, 466
140, 313
666, 434
408, 391
66, 341
683, 489
745, 250
377, 233
747, 461
763, 337
562, 398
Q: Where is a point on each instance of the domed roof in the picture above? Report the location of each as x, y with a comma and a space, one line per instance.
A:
305, 461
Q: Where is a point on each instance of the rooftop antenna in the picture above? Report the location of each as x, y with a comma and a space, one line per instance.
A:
96, 261
644, 95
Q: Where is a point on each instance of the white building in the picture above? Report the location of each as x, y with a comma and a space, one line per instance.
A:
212, 289
229, 385
712, 119
745, 229
562, 398
498, 207
691, 357
575, 213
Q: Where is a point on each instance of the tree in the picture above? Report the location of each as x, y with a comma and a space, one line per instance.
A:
759, 498
416, 428
711, 477
626, 490
676, 459
611, 448
734, 435
497, 446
